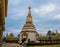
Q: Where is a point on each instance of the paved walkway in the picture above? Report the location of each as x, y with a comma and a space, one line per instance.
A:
11, 45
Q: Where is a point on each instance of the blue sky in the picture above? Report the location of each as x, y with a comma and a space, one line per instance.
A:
45, 13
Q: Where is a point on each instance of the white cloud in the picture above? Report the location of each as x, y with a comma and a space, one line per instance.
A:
48, 11
14, 2
36, 21
14, 31
15, 10
42, 31
17, 15
45, 9
57, 17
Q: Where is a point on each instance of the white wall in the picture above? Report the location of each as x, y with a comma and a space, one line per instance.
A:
32, 36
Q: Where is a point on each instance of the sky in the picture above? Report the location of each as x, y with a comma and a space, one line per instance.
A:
45, 14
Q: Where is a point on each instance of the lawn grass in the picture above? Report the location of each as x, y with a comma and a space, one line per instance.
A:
46, 46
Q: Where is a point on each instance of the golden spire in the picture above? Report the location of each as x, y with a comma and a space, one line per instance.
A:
29, 17
29, 8
29, 12
57, 33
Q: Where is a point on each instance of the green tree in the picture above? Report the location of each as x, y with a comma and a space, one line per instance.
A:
11, 35
53, 33
49, 33
4, 39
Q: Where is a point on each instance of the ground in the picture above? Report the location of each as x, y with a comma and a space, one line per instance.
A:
17, 45
11, 45
46, 46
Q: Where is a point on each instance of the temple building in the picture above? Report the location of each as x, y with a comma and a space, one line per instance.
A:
57, 34
29, 31
3, 14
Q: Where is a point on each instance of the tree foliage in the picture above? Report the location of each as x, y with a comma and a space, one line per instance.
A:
49, 33
11, 35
